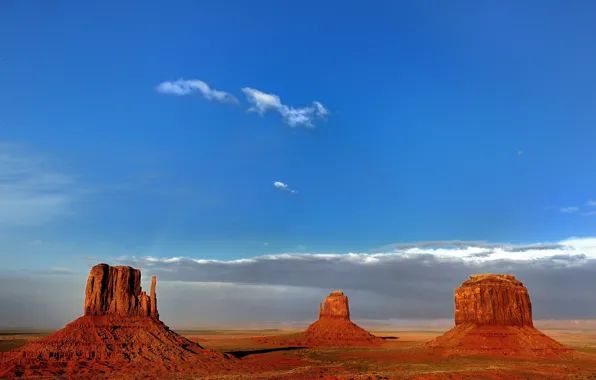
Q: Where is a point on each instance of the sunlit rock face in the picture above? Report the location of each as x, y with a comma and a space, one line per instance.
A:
493, 299
335, 306
117, 291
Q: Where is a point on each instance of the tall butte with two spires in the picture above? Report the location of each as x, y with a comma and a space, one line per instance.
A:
117, 291
120, 329
493, 316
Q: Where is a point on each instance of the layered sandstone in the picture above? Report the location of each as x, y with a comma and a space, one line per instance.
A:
493, 299
333, 328
493, 316
120, 331
336, 306
117, 291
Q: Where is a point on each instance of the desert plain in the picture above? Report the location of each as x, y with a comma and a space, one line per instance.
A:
399, 356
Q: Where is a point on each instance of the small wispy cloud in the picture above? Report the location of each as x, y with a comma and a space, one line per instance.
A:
300, 116
591, 203
569, 210
284, 187
31, 193
55, 270
260, 101
44, 271
520, 152
183, 87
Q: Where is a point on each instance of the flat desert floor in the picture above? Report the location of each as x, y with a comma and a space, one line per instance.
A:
399, 357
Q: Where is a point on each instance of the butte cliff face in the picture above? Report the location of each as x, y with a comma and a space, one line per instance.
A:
493, 299
493, 316
120, 331
336, 307
117, 291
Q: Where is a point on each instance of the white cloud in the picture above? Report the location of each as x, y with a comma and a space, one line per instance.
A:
301, 116
262, 101
189, 86
483, 253
591, 203
568, 210
320, 109
31, 193
567, 251
284, 187
419, 277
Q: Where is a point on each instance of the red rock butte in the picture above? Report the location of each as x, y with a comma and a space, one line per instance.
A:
332, 329
120, 330
336, 306
493, 299
493, 316
117, 291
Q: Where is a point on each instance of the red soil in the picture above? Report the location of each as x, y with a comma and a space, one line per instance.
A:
326, 333
518, 341
100, 343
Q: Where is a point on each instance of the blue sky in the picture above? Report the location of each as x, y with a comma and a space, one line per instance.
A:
469, 120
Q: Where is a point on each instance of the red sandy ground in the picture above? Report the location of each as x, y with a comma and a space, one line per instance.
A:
512, 341
95, 345
403, 358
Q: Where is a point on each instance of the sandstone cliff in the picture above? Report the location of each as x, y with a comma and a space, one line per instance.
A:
493, 299
117, 291
493, 316
335, 307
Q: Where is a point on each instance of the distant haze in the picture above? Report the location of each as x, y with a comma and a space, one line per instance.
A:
403, 282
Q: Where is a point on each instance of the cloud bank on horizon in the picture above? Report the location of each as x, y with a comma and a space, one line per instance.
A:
400, 281
403, 274
260, 101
